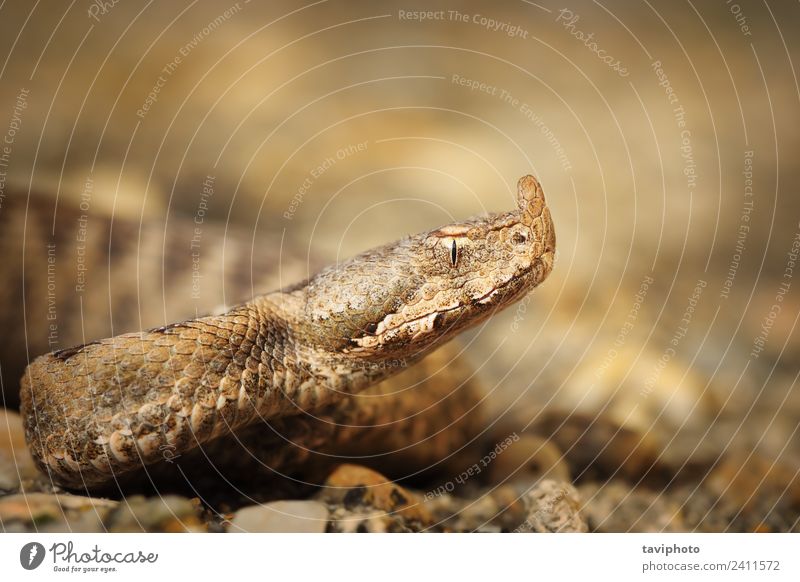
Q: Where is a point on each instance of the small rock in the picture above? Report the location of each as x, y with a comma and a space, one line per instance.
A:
168, 513
9, 478
363, 500
623, 391
617, 507
547, 506
16, 463
598, 446
43, 512
757, 494
530, 459
281, 517
356, 486
552, 506
743, 477
498, 509
701, 509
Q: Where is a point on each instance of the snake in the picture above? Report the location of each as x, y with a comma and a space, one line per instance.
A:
110, 408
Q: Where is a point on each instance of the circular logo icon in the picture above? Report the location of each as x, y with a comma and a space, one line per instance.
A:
31, 555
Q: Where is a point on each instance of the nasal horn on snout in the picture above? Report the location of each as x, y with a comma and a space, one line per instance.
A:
530, 198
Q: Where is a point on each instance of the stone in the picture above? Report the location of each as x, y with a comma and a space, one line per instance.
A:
363, 500
167, 513
546, 506
617, 507
752, 493
16, 464
552, 507
530, 459
354, 485
44, 512
281, 517
633, 392
598, 446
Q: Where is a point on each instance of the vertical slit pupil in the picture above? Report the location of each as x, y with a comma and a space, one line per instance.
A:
454, 253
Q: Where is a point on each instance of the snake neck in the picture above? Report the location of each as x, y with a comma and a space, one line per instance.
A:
298, 363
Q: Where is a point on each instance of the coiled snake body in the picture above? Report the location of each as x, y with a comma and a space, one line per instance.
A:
112, 407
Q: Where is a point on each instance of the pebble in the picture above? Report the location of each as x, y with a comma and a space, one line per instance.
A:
744, 491
546, 506
363, 500
281, 517
45, 512
166, 513
634, 391
530, 459
755, 493
598, 446
552, 507
16, 464
617, 507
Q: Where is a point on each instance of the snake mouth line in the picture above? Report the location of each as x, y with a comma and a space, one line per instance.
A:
427, 322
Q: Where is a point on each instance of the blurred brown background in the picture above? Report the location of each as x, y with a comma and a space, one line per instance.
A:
659, 130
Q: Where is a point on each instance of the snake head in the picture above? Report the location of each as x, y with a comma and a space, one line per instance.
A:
406, 298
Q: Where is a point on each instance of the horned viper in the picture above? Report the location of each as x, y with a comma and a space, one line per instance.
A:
110, 407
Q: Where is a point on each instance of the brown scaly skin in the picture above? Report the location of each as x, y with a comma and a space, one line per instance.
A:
102, 410
426, 420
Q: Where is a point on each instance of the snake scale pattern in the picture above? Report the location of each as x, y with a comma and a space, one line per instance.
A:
107, 409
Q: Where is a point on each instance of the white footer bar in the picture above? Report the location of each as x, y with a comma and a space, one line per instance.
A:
406, 557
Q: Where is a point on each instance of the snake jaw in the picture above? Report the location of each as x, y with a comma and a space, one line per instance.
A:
412, 331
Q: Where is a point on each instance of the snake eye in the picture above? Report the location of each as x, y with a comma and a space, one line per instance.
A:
454, 253
519, 238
